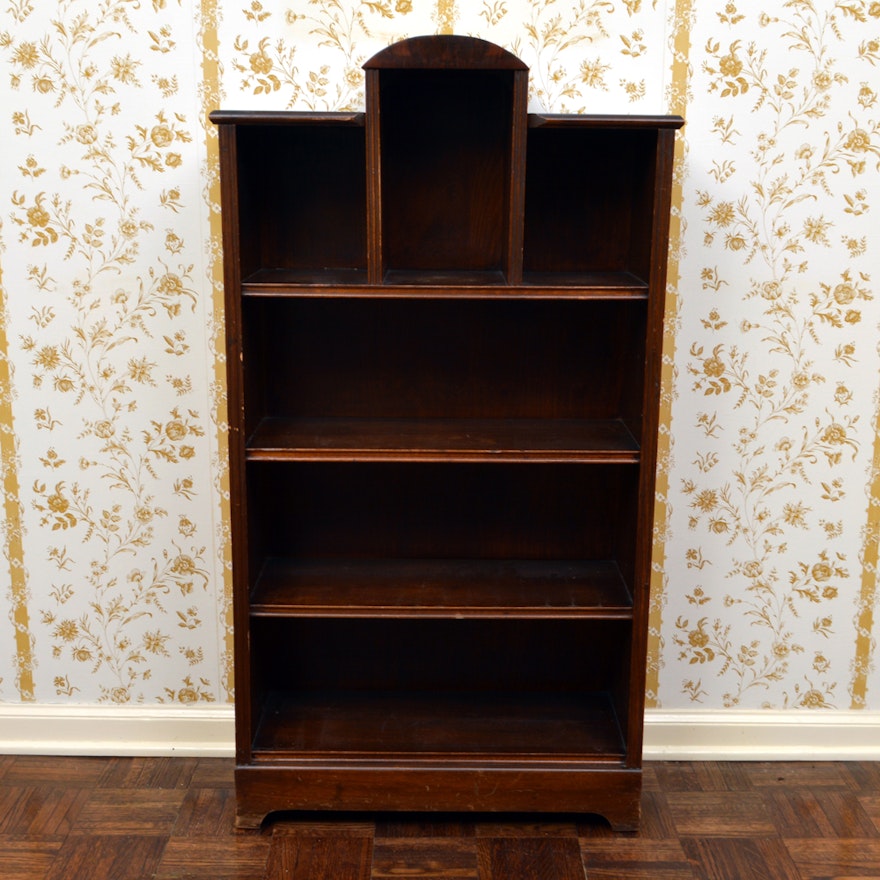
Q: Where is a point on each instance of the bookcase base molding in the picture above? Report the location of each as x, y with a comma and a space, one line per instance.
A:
440, 786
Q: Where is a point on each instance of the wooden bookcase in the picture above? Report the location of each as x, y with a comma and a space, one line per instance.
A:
444, 328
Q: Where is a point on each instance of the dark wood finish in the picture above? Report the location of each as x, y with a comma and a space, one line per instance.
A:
304, 858
643, 528
537, 858
482, 724
454, 588
452, 510
169, 818
374, 439
445, 786
568, 657
444, 163
318, 165
425, 284
444, 320
547, 360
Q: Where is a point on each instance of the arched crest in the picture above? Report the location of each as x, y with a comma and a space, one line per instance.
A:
444, 51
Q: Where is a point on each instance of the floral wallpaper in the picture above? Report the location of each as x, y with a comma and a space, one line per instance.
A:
115, 551
770, 582
111, 452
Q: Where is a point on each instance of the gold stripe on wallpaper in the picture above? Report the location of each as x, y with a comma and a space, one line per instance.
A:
13, 548
868, 596
211, 93
680, 39
446, 15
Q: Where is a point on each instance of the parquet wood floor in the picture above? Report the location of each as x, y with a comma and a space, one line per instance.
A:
172, 819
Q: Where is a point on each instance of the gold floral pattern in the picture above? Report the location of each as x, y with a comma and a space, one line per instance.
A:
771, 392
112, 447
101, 235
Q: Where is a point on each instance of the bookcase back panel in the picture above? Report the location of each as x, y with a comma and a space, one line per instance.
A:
445, 359
302, 199
351, 510
463, 655
445, 168
589, 201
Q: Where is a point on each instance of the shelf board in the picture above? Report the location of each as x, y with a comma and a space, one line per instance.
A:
446, 277
375, 724
441, 588
593, 283
600, 122
287, 117
268, 282
340, 439
341, 282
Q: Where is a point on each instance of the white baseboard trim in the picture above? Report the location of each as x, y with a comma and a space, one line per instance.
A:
739, 735
43, 729
732, 735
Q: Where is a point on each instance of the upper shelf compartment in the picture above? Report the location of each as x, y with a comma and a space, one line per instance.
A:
446, 131
590, 198
445, 187
301, 196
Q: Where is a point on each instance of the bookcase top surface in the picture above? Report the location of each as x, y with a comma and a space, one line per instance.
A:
357, 120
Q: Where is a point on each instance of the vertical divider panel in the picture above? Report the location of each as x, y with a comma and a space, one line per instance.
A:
660, 207
517, 176
228, 136
375, 267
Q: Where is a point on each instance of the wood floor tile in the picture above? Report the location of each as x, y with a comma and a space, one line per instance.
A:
845, 815
822, 813
102, 858
6, 761
871, 806
864, 774
721, 776
124, 812
423, 825
656, 822
596, 826
323, 825
791, 775
174, 819
740, 859
240, 857
649, 775
40, 812
677, 776
69, 772
798, 814
841, 858
214, 773
534, 827
713, 814
701, 776
149, 773
436, 858
319, 858
635, 859
824, 859
27, 859
535, 858
206, 812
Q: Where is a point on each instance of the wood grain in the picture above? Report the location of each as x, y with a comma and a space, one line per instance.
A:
170, 819
306, 858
